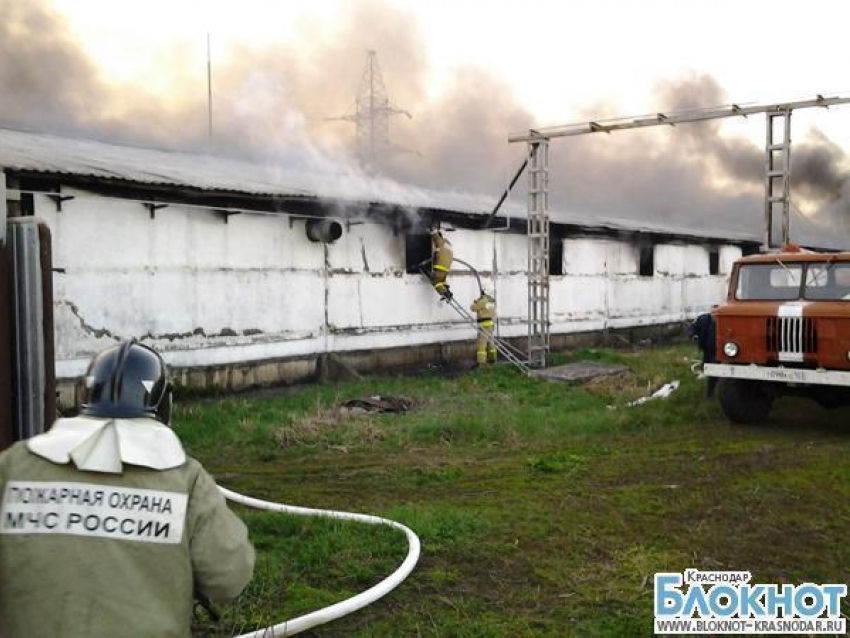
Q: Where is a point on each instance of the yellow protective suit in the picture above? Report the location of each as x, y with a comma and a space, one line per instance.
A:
441, 263
485, 311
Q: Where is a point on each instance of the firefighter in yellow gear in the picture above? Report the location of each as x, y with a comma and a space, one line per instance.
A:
485, 312
441, 263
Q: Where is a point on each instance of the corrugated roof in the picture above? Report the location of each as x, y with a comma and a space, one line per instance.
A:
52, 154
68, 156
622, 224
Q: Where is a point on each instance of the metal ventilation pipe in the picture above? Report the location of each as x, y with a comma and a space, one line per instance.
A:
29, 370
2, 207
323, 230
6, 412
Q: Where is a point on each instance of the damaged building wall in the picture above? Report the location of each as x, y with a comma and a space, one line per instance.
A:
212, 291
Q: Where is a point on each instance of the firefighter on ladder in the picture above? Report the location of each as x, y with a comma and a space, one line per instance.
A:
485, 312
441, 263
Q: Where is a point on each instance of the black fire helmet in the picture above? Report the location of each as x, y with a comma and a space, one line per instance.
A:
127, 381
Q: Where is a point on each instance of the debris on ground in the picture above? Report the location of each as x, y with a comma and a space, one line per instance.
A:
377, 404
661, 393
696, 367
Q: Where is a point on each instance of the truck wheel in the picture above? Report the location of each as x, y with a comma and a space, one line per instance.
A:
744, 401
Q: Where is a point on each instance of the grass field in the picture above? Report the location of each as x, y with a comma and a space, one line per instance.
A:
542, 510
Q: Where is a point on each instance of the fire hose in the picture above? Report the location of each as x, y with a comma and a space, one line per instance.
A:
344, 607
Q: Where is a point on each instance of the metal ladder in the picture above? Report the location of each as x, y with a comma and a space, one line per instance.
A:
538, 253
777, 185
514, 356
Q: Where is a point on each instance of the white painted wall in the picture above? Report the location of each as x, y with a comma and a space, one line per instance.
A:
207, 293
601, 286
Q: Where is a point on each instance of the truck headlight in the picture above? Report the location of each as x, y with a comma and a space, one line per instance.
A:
730, 349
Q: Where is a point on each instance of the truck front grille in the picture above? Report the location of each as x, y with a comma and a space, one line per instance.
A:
791, 337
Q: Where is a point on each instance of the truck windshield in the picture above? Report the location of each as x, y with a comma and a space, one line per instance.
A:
769, 281
828, 282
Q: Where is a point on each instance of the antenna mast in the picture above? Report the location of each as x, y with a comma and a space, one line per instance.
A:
209, 90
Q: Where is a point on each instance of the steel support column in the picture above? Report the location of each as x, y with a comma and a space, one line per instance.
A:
7, 430
28, 365
538, 253
777, 184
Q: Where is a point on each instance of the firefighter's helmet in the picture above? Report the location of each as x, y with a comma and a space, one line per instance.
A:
127, 381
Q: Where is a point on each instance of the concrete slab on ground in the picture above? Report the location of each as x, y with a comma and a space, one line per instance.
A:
580, 372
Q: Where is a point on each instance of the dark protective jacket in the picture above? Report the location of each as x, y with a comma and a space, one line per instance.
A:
703, 331
92, 554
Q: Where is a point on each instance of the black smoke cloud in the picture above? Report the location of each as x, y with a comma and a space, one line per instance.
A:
275, 101
693, 176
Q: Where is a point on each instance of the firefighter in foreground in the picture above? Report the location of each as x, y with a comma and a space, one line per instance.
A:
485, 312
441, 263
107, 528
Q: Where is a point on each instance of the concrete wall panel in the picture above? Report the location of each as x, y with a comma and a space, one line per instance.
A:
585, 257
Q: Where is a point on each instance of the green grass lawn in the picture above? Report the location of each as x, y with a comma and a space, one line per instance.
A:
542, 510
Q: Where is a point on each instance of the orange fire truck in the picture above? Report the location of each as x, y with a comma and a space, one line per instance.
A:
784, 330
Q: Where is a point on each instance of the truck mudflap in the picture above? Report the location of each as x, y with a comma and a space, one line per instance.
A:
778, 374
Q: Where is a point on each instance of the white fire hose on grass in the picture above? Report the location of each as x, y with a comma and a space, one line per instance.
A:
345, 607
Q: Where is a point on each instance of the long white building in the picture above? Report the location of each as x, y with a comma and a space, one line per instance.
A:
208, 260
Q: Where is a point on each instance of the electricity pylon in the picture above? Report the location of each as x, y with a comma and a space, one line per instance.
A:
372, 112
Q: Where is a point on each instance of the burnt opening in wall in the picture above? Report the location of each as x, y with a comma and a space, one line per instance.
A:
556, 255
27, 201
646, 263
417, 253
27, 205
713, 261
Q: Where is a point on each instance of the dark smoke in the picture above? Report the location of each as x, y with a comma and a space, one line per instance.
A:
274, 102
817, 163
817, 168
694, 176
462, 136
45, 80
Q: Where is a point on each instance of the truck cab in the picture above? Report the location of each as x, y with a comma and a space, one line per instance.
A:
784, 329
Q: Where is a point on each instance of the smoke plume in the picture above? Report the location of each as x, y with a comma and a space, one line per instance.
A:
273, 102
45, 81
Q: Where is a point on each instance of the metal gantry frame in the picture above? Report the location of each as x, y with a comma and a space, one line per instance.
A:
777, 188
